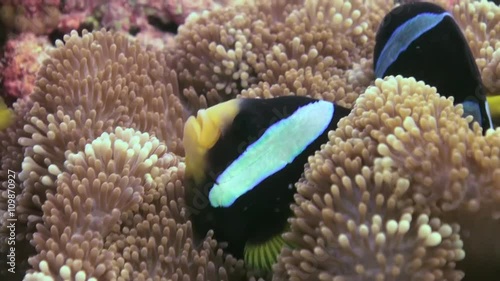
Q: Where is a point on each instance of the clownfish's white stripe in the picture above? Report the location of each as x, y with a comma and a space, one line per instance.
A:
403, 36
488, 114
280, 144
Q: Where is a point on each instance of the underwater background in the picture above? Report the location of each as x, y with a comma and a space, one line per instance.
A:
95, 96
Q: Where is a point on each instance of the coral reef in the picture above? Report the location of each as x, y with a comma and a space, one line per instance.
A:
22, 59
31, 26
404, 190
44, 16
125, 14
38, 16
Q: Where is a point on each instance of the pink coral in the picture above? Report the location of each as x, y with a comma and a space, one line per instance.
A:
22, 59
180, 9
75, 12
125, 14
70, 22
38, 16
155, 40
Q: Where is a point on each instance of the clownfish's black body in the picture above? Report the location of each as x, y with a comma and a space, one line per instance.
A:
422, 40
243, 158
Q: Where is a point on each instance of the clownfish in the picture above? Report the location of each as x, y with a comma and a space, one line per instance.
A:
422, 40
5, 115
243, 158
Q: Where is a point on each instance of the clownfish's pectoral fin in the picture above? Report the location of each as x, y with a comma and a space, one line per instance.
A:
480, 112
260, 257
471, 108
202, 132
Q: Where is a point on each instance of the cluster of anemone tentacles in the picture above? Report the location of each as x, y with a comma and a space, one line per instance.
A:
404, 190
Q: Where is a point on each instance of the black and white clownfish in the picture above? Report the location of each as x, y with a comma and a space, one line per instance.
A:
243, 158
422, 40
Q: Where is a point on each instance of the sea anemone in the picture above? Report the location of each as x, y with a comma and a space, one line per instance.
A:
393, 191
480, 22
90, 85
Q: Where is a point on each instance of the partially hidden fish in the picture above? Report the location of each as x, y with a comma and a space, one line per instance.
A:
422, 40
243, 158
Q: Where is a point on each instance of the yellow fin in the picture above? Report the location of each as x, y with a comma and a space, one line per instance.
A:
6, 115
494, 103
262, 256
203, 131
